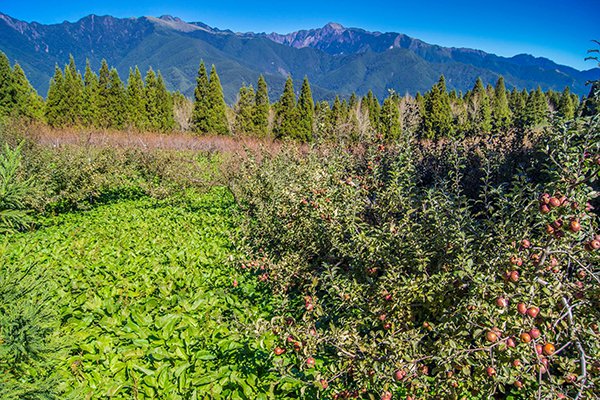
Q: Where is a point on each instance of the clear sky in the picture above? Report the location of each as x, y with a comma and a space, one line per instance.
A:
557, 29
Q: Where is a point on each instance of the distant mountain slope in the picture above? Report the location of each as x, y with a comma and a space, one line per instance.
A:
337, 60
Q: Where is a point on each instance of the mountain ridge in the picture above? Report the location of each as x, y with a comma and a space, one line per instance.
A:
336, 59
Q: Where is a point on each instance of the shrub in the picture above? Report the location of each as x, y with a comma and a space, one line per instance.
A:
13, 191
390, 282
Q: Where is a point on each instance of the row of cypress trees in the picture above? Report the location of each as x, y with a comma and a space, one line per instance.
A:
103, 100
17, 97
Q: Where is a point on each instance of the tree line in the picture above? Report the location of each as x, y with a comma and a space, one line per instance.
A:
102, 100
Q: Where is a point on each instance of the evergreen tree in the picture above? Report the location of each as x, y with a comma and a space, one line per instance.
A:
305, 113
353, 103
116, 101
217, 107
566, 108
262, 107
28, 103
481, 112
164, 105
286, 112
336, 118
53, 111
437, 121
390, 119
136, 100
103, 99
536, 109
516, 103
7, 89
244, 111
200, 114
152, 101
323, 127
89, 107
501, 118
373, 108
72, 94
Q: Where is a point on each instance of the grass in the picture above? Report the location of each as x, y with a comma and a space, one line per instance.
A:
146, 301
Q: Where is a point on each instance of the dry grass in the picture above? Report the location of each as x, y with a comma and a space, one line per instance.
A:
46, 136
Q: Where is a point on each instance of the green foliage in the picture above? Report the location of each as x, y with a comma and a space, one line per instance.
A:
437, 118
389, 123
536, 112
54, 108
306, 107
245, 111
286, 113
210, 115
89, 112
377, 266
217, 115
501, 118
7, 93
480, 109
566, 108
263, 107
29, 349
72, 94
137, 96
14, 189
147, 301
28, 104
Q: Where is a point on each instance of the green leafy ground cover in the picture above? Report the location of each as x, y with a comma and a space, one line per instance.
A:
146, 306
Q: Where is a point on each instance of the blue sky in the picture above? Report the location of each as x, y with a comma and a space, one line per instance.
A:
557, 29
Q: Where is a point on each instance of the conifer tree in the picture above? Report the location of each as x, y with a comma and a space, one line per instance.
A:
53, 110
566, 108
353, 102
116, 101
481, 113
72, 101
136, 100
516, 104
216, 103
501, 118
390, 119
536, 108
372, 107
103, 97
437, 121
262, 107
286, 112
152, 114
336, 117
200, 121
7, 89
322, 121
89, 107
305, 113
244, 111
28, 104
165, 105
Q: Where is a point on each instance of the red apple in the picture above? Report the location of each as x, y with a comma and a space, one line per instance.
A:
535, 333
522, 308
399, 375
549, 349
533, 311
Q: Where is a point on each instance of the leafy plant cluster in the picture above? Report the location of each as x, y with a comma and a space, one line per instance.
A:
141, 299
398, 274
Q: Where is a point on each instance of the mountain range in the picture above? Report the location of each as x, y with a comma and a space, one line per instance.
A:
336, 59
